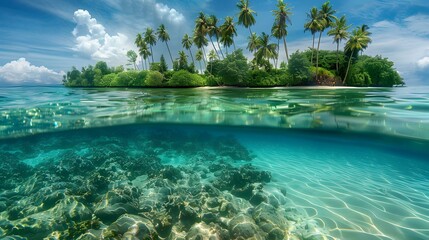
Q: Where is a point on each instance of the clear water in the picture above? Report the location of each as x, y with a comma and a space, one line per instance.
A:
344, 163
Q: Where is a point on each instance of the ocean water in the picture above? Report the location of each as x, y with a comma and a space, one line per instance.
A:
214, 163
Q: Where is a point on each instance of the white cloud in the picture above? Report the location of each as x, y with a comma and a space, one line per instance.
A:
21, 72
423, 62
170, 14
93, 40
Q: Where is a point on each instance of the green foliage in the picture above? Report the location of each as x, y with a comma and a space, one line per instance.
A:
103, 67
374, 71
326, 77
299, 69
105, 80
125, 79
233, 70
184, 78
213, 81
154, 79
260, 78
163, 67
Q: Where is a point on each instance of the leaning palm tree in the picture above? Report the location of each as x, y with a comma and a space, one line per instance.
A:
144, 53
213, 31
276, 32
200, 41
199, 57
313, 25
228, 31
339, 32
182, 60
150, 38
187, 44
164, 37
212, 56
282, 18
253, 42
265, 50
246, 15
326, 18
139, 42
365, 29
358, 41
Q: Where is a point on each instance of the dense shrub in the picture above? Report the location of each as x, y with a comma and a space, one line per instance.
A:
373, 71
154, 79
260, 78
233, 70
105, 80
125, 79
299, 69
184, 78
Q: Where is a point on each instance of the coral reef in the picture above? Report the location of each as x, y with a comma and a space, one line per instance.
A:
126, 186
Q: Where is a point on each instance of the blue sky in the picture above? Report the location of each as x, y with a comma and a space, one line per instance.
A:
40, 40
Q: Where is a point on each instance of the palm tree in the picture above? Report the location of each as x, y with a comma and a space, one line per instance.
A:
228, 31
282, 15
365, 29
313, 25
200, 41
253, 42
144, 53
358, 41
213, 31
339, 33
187, 44
326, 18
276, 32
150, 38
132, 58
139, 42
245, 16
183, 60
199, 57
265, 49
212, 56
164, 37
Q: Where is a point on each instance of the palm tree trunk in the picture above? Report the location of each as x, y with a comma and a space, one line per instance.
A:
201, 67
338, 56
278, 55
141, 59
168, 48
192, 57
348, 66
312, 49
151, 53
220, 49
317, 57
214, 47
233, 43
287, 54
204, 57
145, 64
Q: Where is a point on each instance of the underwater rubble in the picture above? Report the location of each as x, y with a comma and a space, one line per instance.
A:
141, 185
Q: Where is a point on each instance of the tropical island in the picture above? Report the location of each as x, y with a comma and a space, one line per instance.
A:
224, 66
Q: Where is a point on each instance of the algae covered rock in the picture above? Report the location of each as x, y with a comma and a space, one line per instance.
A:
116, 203
131, 227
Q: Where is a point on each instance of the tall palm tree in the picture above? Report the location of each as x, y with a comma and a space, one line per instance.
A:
282, 18
228, 31
365, 29
213, 31
199, 57
276, 32
150, 38
253, 42
246, 15
212, 56
164, 37
326, 18
139, 42
200, 41
358, 41
182, 60
187, 44
265, 49
144, 53
339, 32
313, 25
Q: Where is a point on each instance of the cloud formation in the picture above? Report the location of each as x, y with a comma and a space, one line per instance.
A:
92, 40
21, 72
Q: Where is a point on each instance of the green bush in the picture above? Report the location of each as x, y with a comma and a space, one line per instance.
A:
261, 78
125, 79
105, 81
299, 69
154, 79
233, 70
140, 79
213, 81
184, 78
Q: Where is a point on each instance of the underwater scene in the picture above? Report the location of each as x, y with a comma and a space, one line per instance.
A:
214, 163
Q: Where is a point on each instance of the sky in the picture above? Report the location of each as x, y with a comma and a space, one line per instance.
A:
41, 40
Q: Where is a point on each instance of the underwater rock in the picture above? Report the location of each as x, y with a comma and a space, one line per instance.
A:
130, 227
117, 202
202, 231
270, 220
242, 226
71, 209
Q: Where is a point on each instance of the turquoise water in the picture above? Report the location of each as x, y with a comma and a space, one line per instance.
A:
220, 163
